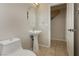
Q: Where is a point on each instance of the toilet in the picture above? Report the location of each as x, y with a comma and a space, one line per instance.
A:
12, 47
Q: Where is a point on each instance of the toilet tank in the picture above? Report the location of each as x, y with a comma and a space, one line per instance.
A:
9, 46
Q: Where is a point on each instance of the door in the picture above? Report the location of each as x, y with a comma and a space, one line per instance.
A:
70, 28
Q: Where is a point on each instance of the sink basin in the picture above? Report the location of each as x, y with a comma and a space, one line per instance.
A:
35, 32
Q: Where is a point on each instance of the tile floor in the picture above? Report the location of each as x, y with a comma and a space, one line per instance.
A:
58, 48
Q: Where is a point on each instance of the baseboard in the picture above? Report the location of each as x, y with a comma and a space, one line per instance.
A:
60, 40
44, 45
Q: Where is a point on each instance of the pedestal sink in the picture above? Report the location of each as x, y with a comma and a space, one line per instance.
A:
35, 34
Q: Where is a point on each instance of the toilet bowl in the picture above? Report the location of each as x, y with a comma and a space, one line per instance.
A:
12, 47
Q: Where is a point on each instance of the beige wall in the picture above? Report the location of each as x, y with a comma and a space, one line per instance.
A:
58, 26
44, 25
14, 22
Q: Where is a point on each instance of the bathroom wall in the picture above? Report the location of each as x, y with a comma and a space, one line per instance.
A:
58, 26
14, 22
44, 25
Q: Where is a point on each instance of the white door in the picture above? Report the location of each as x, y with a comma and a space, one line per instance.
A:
70, 28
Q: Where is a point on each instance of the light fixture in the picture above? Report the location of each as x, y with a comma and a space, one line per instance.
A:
36, 4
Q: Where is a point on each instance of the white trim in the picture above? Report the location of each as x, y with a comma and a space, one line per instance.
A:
59, 40
42, 45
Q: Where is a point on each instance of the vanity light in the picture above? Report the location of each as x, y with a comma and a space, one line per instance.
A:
36, 4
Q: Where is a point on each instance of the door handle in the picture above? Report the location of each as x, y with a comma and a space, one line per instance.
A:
71, 30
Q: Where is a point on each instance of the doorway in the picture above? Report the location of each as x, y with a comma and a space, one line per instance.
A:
58, 25
69, 26
58, 20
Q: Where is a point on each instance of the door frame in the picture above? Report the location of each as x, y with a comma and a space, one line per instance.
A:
51, 25
70, 29
50, 18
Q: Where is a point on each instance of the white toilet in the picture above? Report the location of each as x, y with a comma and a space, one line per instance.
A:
12, 47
